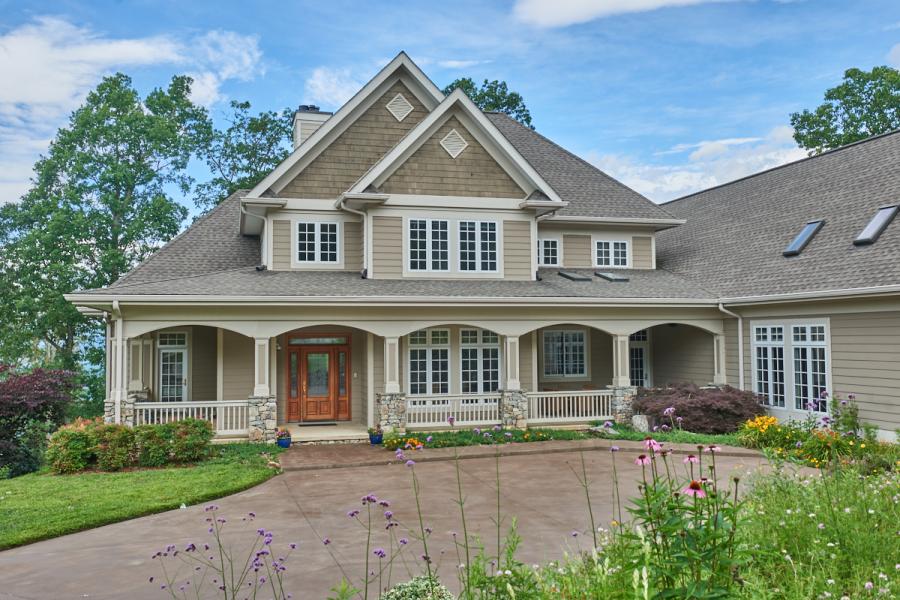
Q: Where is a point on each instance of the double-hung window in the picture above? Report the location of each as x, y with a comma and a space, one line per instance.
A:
429, 361
429, 245
318, 242
790, 365
565, 353
611, 253
478, 246
479, 359
548, 252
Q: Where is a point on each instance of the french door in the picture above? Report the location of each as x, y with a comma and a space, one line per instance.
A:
172, 375
318, 383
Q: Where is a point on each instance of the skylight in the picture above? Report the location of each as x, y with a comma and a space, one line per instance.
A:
878, 224
573, 276
610, 276
803, 238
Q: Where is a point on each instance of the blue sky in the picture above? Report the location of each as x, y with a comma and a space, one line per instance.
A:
669, 96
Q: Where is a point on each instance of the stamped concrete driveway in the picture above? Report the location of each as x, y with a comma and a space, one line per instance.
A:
540, 490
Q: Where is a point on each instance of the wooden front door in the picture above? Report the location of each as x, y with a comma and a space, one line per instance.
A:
318, 383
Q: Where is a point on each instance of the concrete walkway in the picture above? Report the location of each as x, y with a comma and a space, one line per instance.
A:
538, 487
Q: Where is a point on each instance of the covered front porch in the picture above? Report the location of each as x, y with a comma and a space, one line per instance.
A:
327, 381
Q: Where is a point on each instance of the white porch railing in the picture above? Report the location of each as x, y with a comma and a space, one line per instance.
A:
475, 409
569, 407
228, 417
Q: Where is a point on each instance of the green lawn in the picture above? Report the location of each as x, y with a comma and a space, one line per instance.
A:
40, 505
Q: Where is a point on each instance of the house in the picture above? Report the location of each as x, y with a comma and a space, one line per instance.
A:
415, 258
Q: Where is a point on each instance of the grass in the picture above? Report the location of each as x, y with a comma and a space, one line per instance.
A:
478, 437
41, 505
622, 432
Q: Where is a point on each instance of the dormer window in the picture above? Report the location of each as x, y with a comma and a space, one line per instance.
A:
876, 226
548, 253
803, 238
611, 253
318, 242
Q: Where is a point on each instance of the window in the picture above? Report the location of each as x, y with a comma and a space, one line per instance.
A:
172, 366
477, 246
803, 238
317, 242
429, 361
548, 252
879, 222
790, 365
565, 353
429, 245
611, 254
639, 358
479, 359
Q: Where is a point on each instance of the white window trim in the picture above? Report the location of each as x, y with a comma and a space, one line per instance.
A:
480, 345
428, 347
611, 241
185, 348
499, 249
429, 251
318, 263
454, 272
559, 250
789, 398
586, 376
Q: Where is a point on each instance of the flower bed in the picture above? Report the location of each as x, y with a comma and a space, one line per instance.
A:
475, 437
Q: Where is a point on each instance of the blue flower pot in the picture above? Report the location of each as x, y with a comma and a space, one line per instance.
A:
284, 442
376, 438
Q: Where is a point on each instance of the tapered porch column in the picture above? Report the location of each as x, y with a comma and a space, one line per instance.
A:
719, 358
391, 365
621, 376
513, 381
261, 386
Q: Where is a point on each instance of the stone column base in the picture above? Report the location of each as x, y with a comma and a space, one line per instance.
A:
263, 419
622, 404
128, 405
513, 409
391, 412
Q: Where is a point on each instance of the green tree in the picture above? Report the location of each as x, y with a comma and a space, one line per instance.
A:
99, 204
494, 96
242, 154
866, 103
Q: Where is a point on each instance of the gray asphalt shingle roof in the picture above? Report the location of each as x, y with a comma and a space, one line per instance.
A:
735, 233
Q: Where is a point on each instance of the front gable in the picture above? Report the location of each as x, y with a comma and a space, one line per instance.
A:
432, 169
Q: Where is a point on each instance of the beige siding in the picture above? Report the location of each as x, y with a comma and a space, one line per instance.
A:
387, 247
281, 245
203, 364
353, 247
517, 250
642, 252
600, 363
731, 354
577, 251
681, 353
378, 365
526, 377
432, 171
237, 366
350, 155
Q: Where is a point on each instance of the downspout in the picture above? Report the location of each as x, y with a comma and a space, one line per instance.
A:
365, 238
740, 336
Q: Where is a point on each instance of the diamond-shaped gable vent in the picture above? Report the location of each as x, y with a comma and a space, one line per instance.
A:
399, 107
454, 143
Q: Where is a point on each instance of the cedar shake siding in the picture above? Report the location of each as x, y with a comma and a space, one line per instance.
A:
577, 251
387, 247
349, 156
432, 171
517, 250
642, 252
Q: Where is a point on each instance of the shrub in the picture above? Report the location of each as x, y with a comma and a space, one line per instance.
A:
31, 404
152, 445
706, 410
418, 588
766, 432
70, 450
190, 440
114, 447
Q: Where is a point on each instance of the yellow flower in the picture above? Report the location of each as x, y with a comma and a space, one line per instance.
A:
862, 445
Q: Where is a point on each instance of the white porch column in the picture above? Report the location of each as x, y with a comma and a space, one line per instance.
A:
391, 365
719, 359
370, 380
119, 374
621, 375
261, 387
220, 363
135, 365
513, 381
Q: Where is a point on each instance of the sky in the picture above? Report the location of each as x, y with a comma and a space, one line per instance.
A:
668, 96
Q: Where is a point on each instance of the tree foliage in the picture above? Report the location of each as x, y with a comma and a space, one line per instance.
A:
243, 153
494, 96
866, 103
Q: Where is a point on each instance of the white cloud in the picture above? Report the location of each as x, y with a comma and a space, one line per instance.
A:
331, 87
560, 13
894, 56
50, 65
711, 163
460, 64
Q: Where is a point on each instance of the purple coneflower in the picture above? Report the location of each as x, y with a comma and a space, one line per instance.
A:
651, 444
695, 489
669, 411
713, 448
642, 460
690, 458
613, 448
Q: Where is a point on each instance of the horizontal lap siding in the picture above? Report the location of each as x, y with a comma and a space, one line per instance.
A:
525, 371
642, 252
681, 353
349, 156
281, 245
237, 366
387, 247
517, 250
353, 246
203, 364
577, 251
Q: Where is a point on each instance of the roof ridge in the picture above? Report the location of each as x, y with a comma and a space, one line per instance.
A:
871, 138
581, 160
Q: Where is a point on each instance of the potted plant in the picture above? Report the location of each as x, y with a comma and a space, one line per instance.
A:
283, 438
376, 435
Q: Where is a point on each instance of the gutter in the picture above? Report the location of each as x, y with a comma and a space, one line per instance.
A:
740, 337
365, 234
800, 296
